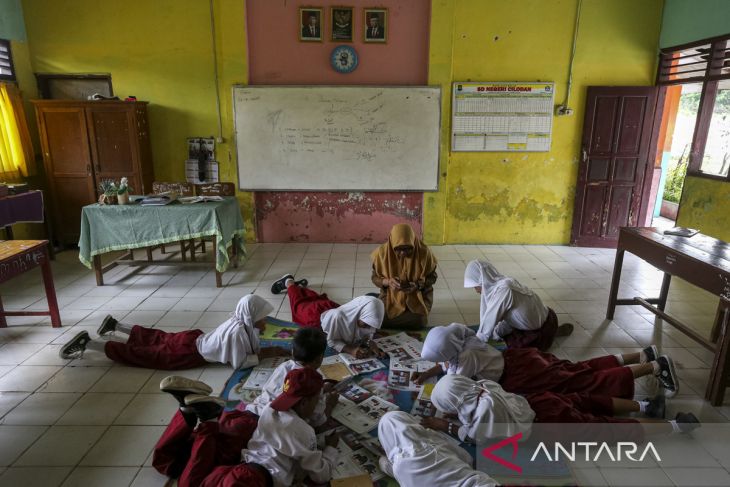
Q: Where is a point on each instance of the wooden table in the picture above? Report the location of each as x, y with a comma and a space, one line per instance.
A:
700, 260
19, 256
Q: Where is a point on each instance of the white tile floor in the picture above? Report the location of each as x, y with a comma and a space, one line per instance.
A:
90, 422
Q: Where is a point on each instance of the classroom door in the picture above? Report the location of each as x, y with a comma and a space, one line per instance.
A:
617, 134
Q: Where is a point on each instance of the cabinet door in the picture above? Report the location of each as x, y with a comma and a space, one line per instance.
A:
67, 160
113, 142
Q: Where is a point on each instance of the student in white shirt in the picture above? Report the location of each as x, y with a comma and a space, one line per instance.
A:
485, 410
528, 370
234, 342
284, 443
510, 311
418, 457
308, 347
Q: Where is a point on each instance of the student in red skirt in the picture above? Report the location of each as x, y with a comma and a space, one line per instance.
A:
510, 311
201, 446
349, 327
528, 370
235, 342
485, 410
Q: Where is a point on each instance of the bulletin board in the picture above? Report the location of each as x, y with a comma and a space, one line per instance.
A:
502, 116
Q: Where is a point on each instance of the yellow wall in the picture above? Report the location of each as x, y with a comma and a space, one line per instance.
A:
160, 51
706, 207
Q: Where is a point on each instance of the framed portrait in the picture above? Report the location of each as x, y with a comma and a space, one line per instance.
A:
341, 23
375, 28
310, 24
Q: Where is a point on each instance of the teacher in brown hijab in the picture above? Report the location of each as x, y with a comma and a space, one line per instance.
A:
405, 270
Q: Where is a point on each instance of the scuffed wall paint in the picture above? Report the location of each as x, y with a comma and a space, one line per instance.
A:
334, 217
706, 207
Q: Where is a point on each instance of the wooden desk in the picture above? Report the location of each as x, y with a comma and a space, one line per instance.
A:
19, 256
700, 260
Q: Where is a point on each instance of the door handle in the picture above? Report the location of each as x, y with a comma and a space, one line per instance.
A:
585, 155
88, 169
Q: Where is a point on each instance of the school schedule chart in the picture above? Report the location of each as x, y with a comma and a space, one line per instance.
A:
502, 117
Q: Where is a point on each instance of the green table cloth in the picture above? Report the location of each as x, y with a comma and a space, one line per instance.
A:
105, 228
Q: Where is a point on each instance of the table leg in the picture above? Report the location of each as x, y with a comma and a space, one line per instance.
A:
615, 280
98, 271
183, 252
664, 292
715, 333
715, 392
3, 321
9, 232
191, 243
218, 275
50, 292
149, 254
235, 251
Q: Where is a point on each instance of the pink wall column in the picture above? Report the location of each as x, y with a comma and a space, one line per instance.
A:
277, 57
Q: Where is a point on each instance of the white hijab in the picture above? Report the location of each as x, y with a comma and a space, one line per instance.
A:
445, 343
340, 324
483, 273
484, 409
422, 457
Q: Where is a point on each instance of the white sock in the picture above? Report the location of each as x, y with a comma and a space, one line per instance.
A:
97, 346
619, 358
642, 357
675, 426
656, 367
124, 328
288, 281
643, 405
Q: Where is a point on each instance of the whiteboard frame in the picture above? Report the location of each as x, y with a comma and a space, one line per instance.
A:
453, 112
435, 188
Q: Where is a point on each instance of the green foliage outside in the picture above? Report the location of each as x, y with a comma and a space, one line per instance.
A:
689, 102
675, 181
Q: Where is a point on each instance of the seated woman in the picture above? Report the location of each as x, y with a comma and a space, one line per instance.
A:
417, 457
235, 342
405, 271
349, 327
485, 410
528, 370
510, 311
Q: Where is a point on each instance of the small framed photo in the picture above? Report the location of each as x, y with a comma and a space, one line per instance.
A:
376, 25
341, 19
310, 22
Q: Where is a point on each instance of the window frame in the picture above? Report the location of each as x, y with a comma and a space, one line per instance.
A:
719, 54
12, 76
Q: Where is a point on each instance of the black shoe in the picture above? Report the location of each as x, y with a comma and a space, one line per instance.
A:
667, 376
205, 407
657, 407
278, 286
75, 348
687, 422
107, 326
650, 353
564, 330
181, 387
302, 283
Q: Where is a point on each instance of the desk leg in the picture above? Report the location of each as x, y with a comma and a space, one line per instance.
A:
98, 271
664, 292
149, 254
9, 232
218, 275
715, 392
3, 321
50, 293
615, 280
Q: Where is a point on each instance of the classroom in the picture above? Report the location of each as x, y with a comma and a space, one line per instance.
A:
364, 243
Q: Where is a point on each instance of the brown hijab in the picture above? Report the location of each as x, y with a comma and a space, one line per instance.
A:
410, 269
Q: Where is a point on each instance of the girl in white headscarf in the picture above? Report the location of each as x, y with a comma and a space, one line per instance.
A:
235, 342
416, 456
510, 311
350, 327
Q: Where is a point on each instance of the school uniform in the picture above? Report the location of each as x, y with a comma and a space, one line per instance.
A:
307, 306
420, 457
286, 446
209, 455
235, 342
340, 324
525, 370
510, 311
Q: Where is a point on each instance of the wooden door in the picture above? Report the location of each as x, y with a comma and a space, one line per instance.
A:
113, 137
67, 160
615, 153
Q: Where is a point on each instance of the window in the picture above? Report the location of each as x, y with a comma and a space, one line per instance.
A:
7, 71
704, 64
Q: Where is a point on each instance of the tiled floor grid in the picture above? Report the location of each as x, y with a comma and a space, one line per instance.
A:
90, 422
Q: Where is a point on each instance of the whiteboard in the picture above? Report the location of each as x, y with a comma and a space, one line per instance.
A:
502, 116
337, 138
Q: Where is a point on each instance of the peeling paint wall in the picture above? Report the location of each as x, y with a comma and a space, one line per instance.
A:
706, 207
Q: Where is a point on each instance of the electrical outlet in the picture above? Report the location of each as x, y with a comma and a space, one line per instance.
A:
562, 110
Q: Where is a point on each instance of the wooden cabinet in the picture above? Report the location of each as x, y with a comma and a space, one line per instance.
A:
84, 142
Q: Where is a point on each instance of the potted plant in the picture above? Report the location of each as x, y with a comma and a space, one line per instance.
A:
123, 191
108, 191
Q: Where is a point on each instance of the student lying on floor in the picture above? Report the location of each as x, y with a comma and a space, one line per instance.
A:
510, 311
308, 349
404, 269
418, 457
235, 342
284, 443
201, 447
528, 370
349, 327
485, 410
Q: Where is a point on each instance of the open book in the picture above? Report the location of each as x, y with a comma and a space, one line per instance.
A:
186, 200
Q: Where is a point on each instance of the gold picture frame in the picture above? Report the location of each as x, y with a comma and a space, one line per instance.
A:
342, 24
311, 22
375, 25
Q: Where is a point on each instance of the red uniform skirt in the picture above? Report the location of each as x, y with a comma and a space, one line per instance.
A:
307, 306
542, 339
157, 349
